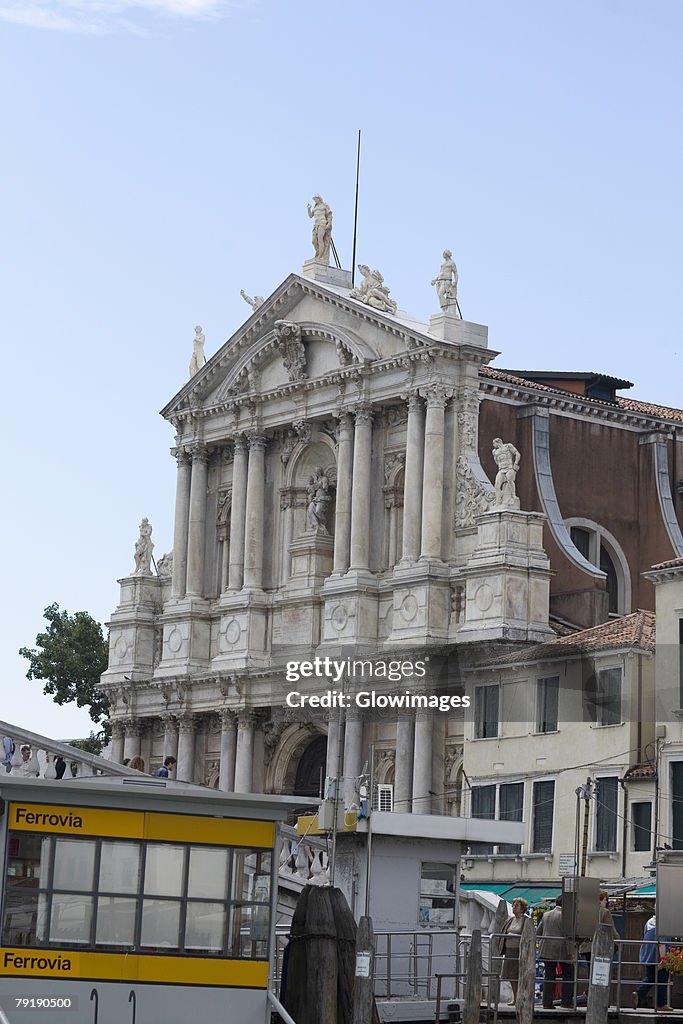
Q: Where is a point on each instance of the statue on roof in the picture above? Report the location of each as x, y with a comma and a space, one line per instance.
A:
321, 215
257, 301
372, 290
143, 550
446, 283
507, 458
198, 358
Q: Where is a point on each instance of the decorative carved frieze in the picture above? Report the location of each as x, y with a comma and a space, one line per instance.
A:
393, 463
303, 430
291, 348
396, 415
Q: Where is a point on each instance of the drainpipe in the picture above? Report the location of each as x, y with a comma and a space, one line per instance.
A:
624, 826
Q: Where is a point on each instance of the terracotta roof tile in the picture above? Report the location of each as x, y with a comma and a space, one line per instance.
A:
672, 563
641, 771
634, 630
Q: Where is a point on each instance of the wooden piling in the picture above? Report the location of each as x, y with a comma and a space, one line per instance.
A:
363, 996
602, 951
526, 984
472, 1004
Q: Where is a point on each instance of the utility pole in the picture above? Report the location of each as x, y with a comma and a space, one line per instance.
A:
585, 792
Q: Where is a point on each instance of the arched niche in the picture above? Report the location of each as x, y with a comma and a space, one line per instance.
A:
300, 744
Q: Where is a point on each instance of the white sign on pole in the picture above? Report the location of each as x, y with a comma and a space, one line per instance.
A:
362, 965
567, 864
600, 967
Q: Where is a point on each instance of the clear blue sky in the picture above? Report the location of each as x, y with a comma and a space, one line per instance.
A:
159, 154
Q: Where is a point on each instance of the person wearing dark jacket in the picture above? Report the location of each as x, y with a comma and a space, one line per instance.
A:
553, 949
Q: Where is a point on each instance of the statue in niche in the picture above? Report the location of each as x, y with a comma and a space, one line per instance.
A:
321, 215
144, 549
198, 358
446, 283
372, 290
165, 565
257, 301
319, 498
506, 457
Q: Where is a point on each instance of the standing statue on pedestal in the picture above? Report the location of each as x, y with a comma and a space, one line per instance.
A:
319, 498
506, 457
322, 228
144, 549
198, 358
446, 283
257, 301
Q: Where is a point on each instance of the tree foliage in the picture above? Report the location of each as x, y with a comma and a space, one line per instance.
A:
71, 655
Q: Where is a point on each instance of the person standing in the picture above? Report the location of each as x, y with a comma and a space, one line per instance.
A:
605, 917
512, 932
166, 768
651, 952
554, 948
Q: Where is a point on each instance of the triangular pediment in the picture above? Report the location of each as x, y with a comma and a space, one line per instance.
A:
336, 331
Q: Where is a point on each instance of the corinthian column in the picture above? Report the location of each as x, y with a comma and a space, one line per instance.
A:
226, 777
185, 766
422, 762
353, 751
244, 758
342, 524
180, 529
197, 528
170, 735
403, 783
360, 492
117, 735
237, 515
432, 478
412, 484
256, 486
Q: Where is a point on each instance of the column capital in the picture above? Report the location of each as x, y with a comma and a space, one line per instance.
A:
414, 401
363, 412
344, 417
182, 456
240, 444
133, 726
200, 453
170, 723
246, 718
256, 440
436, 395
227, 719
118, 729
186, 722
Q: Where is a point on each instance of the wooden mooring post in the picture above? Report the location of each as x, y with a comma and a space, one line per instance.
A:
526, 983
472, 1004
602, 951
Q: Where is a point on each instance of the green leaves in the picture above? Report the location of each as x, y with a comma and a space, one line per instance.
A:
70, 656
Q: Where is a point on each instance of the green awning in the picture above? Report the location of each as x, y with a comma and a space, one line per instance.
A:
644, 890
533, 894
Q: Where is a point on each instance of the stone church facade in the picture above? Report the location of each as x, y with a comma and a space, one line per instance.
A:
335, 499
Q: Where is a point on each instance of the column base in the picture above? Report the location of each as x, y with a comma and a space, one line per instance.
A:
422, 604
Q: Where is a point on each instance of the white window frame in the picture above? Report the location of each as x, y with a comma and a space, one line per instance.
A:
617, 814
546, 778
599, 535
537, 725
477, 689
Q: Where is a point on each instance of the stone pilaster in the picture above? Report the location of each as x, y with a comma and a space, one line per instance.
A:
412, 487
432, 477
237, 515
360, 493
185, 767
197, 524
334, 731
253, 544
180, 529
226, 778
244, 755
342, 529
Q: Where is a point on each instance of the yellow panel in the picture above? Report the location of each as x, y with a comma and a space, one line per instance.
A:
184, 828
72, 965
181, 828
307, 824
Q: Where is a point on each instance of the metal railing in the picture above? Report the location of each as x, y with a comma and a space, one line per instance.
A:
279, 1008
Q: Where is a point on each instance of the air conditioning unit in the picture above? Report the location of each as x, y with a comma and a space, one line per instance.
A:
383, 797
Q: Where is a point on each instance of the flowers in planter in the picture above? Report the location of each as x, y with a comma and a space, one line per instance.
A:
672, 961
